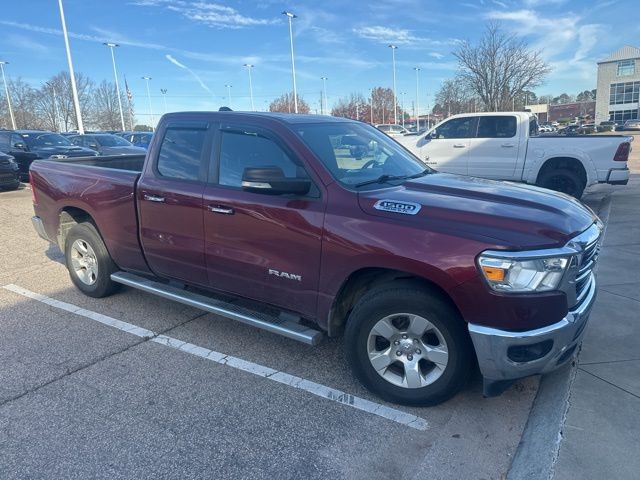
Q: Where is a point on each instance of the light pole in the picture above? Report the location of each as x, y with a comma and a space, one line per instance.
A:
249, 67
402, 107
112, 47
324, 94
291, 16
72, 76
163, 91
395, 103
372, 106
417, 69
6, 92
228, 94
146, 79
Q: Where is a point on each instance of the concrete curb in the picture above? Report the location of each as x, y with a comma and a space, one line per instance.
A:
539, 445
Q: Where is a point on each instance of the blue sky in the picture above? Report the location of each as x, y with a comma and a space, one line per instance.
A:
193, 48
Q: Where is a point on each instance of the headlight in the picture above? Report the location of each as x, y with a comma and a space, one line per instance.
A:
522, 275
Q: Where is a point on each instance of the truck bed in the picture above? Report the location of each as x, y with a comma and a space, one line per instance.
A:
104, 188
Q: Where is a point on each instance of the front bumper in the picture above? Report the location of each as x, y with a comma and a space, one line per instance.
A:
555, 345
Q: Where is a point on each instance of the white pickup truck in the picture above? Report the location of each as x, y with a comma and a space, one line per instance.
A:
506, 146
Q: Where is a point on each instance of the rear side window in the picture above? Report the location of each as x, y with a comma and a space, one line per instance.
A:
5, 145
181, 153
457, 128
497, 127
240, 150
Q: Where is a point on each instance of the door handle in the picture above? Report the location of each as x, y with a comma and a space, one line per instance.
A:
220, 209
154, 198
459, 145
507, 145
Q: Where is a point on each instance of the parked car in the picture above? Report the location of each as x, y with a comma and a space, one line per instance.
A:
608, 126
139, 139
587, 129
13, 144
392, 130
9, 172
571, 129
426, 273
631, 125
107, 144
504, 146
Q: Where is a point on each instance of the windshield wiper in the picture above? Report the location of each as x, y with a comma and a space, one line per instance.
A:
386, 178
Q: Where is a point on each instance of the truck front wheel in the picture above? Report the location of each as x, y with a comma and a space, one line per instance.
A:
88, 261
408, 345
562, 180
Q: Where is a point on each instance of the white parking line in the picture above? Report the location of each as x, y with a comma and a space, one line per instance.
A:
314, 388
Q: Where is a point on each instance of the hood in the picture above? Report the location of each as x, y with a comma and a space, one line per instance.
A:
511, 215
68, 150
125, 150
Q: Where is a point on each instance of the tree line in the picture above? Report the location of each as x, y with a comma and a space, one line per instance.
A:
50, 107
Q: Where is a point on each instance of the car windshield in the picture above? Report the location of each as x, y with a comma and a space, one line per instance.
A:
357, 154
45, 140
112, 141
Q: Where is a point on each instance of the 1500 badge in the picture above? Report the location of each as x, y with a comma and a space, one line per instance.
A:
406, 208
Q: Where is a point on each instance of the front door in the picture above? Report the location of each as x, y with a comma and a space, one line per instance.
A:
447, 147
170, 207
493, 153
262, 246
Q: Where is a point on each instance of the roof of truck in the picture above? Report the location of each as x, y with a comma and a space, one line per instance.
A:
282, 117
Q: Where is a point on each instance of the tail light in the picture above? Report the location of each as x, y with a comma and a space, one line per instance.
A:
622, 154
33, 190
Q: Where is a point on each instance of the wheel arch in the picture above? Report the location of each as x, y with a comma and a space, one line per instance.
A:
564, 162
69, 217
362, 280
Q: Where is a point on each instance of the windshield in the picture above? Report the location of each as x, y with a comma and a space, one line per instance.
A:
45, 140
356, 153
112, 141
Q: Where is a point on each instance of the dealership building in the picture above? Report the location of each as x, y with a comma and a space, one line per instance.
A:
618, 97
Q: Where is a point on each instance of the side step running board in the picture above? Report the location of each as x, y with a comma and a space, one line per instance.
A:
272, 323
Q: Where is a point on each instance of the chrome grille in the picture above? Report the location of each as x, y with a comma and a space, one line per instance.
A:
586, 263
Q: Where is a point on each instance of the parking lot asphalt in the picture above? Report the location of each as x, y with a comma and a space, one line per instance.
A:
82, 399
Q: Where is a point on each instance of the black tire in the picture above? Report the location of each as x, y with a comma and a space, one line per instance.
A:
401, 297
562, 180
102, 286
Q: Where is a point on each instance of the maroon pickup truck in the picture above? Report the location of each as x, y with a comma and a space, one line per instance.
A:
302, 224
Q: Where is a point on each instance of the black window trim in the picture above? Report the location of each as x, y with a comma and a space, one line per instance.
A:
205, 155
214, 167
494, 116
474, 127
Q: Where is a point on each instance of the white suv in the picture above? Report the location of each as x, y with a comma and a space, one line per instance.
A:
392, 130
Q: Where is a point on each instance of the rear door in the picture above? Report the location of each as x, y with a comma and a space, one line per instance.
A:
169, 197
262, 246
493, 153
447, 147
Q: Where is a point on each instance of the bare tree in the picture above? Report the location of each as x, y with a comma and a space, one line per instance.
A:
23, 101
355, 106
285, 104
454, 97
500, 67
383, 104
106, 111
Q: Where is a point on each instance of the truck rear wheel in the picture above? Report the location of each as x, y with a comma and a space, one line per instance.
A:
88, 261
562, 180
408, 345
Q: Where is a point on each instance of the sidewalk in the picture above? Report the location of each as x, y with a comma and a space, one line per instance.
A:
601, 434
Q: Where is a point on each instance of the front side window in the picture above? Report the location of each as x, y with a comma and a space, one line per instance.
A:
355, 153
181, 153
497, 126
456, 128
112, 141
5, 144
45, 140
626, 67
240, 149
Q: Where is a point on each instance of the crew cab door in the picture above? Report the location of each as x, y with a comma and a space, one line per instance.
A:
493, 153
260, 245
447, 147
170, 206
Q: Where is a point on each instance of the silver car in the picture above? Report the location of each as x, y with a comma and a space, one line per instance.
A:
631, 125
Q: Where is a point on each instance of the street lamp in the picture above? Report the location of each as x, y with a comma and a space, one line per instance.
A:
395, 103
417, 69
6, 92
324, 94
146, 79
402, 107
249, 67
112, 46
228, 94
291, 16
372, 106
163, 91
72, 76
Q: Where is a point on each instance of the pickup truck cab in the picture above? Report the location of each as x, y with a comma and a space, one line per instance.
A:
506, 146
303, 224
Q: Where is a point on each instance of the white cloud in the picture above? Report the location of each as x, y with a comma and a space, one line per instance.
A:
183, 66
25, 43
436, 55
210, 14
399, 37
